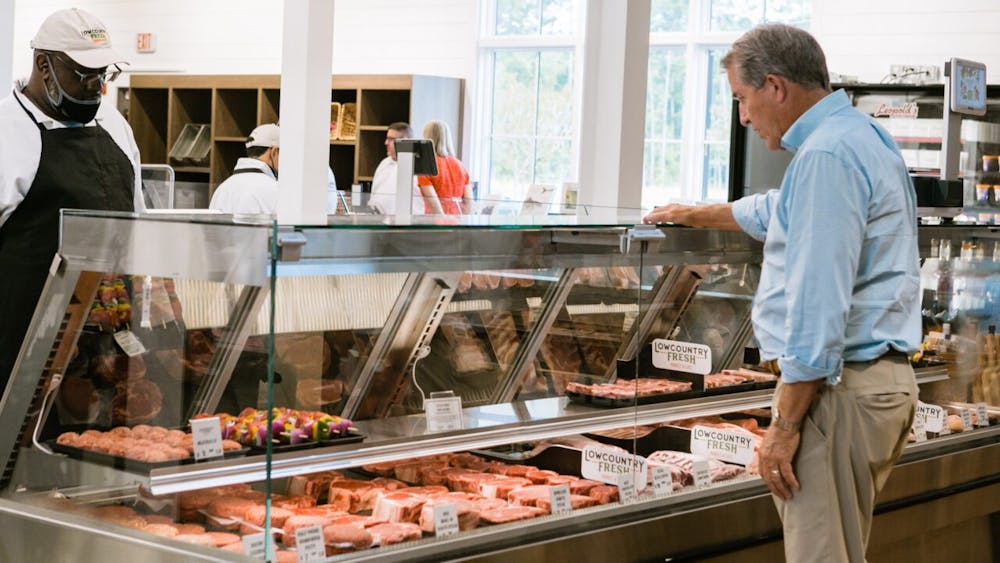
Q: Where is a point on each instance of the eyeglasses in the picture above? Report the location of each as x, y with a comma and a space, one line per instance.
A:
92, 79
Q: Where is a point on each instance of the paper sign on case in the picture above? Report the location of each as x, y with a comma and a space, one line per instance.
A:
663, 480
559, 499
723, 445
445, 520
682, 356
443, 414
626, 488
933, 416
605, 464
309, 544
206, 434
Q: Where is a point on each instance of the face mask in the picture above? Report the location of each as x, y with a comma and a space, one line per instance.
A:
72, 109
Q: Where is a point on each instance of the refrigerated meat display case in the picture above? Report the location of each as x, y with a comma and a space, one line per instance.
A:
536, 345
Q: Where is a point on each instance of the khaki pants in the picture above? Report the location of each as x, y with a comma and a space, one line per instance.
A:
851, 438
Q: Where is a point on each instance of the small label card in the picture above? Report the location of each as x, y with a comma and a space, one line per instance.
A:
443, 414
129, 343
663, 480
207, 436
966, 420
702, 473
933, 416
255, 545
559, 498
682, 356
723, 445
982, 417
309, 544
626, 488
445, 520
919, 429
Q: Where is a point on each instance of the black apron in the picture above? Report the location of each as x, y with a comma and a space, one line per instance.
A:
79, 168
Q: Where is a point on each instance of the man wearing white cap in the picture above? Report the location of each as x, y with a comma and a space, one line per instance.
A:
253, 187
60, 148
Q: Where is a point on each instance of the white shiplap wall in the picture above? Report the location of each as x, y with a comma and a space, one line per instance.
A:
863, 37
435, 37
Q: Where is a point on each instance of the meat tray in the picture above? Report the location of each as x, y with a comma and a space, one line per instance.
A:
128, 464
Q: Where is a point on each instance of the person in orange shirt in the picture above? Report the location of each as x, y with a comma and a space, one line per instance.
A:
443, 192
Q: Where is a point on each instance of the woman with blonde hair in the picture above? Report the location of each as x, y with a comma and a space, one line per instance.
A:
442, 192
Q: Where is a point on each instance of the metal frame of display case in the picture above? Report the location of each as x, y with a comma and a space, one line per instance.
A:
237, 254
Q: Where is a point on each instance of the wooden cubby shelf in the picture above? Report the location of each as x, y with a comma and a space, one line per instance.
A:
161, 105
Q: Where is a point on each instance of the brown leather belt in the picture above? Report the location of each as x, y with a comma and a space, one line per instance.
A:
771, 366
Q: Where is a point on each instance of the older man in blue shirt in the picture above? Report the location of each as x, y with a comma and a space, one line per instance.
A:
837, 308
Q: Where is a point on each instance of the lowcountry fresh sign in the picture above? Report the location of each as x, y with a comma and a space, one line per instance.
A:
723, 445
682, 356
606, 464
933, 416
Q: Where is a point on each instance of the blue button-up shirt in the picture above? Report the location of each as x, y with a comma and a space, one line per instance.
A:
840, 279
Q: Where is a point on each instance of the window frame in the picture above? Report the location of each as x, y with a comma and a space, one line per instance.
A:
488, 44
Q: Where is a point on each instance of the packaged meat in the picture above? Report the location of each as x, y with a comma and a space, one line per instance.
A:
510, 514
467, 511
294, 501
399, 507
352, 495
501, 487
582, 486
347, 537
314, 485
301, 521
576, 501
528, 496
253, 518
604, 494
391, 533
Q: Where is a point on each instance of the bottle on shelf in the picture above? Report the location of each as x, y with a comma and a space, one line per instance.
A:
944, 282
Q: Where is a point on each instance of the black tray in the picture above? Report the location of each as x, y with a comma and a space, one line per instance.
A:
667, 437
607, 403
353, 437
128, 464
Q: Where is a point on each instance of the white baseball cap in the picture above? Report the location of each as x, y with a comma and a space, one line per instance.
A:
80, 35
265, 135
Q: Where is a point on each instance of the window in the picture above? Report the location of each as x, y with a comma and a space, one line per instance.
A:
688, 102
530, 95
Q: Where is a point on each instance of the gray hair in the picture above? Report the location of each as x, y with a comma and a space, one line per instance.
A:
778, 49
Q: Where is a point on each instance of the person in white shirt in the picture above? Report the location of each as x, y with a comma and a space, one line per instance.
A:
60, 148
253, 186
383, 198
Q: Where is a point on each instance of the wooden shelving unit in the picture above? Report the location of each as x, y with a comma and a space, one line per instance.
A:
161, 105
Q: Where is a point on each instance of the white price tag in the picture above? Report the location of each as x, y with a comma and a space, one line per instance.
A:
309, 544
147, 301
982, 417
445, 520
702, 473
663, 480
129, 343
605, 463
919, 429
682, 356
933, 416
443, 414
559, 498
723, 445
966, 420
626, 488
255, 545
207, 438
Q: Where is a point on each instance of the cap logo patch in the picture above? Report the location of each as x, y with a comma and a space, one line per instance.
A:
98, 36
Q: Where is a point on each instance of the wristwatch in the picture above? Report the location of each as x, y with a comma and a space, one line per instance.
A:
785, 424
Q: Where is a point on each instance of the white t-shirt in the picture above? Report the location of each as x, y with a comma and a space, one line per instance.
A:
383, 198
21, 148
248, 192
